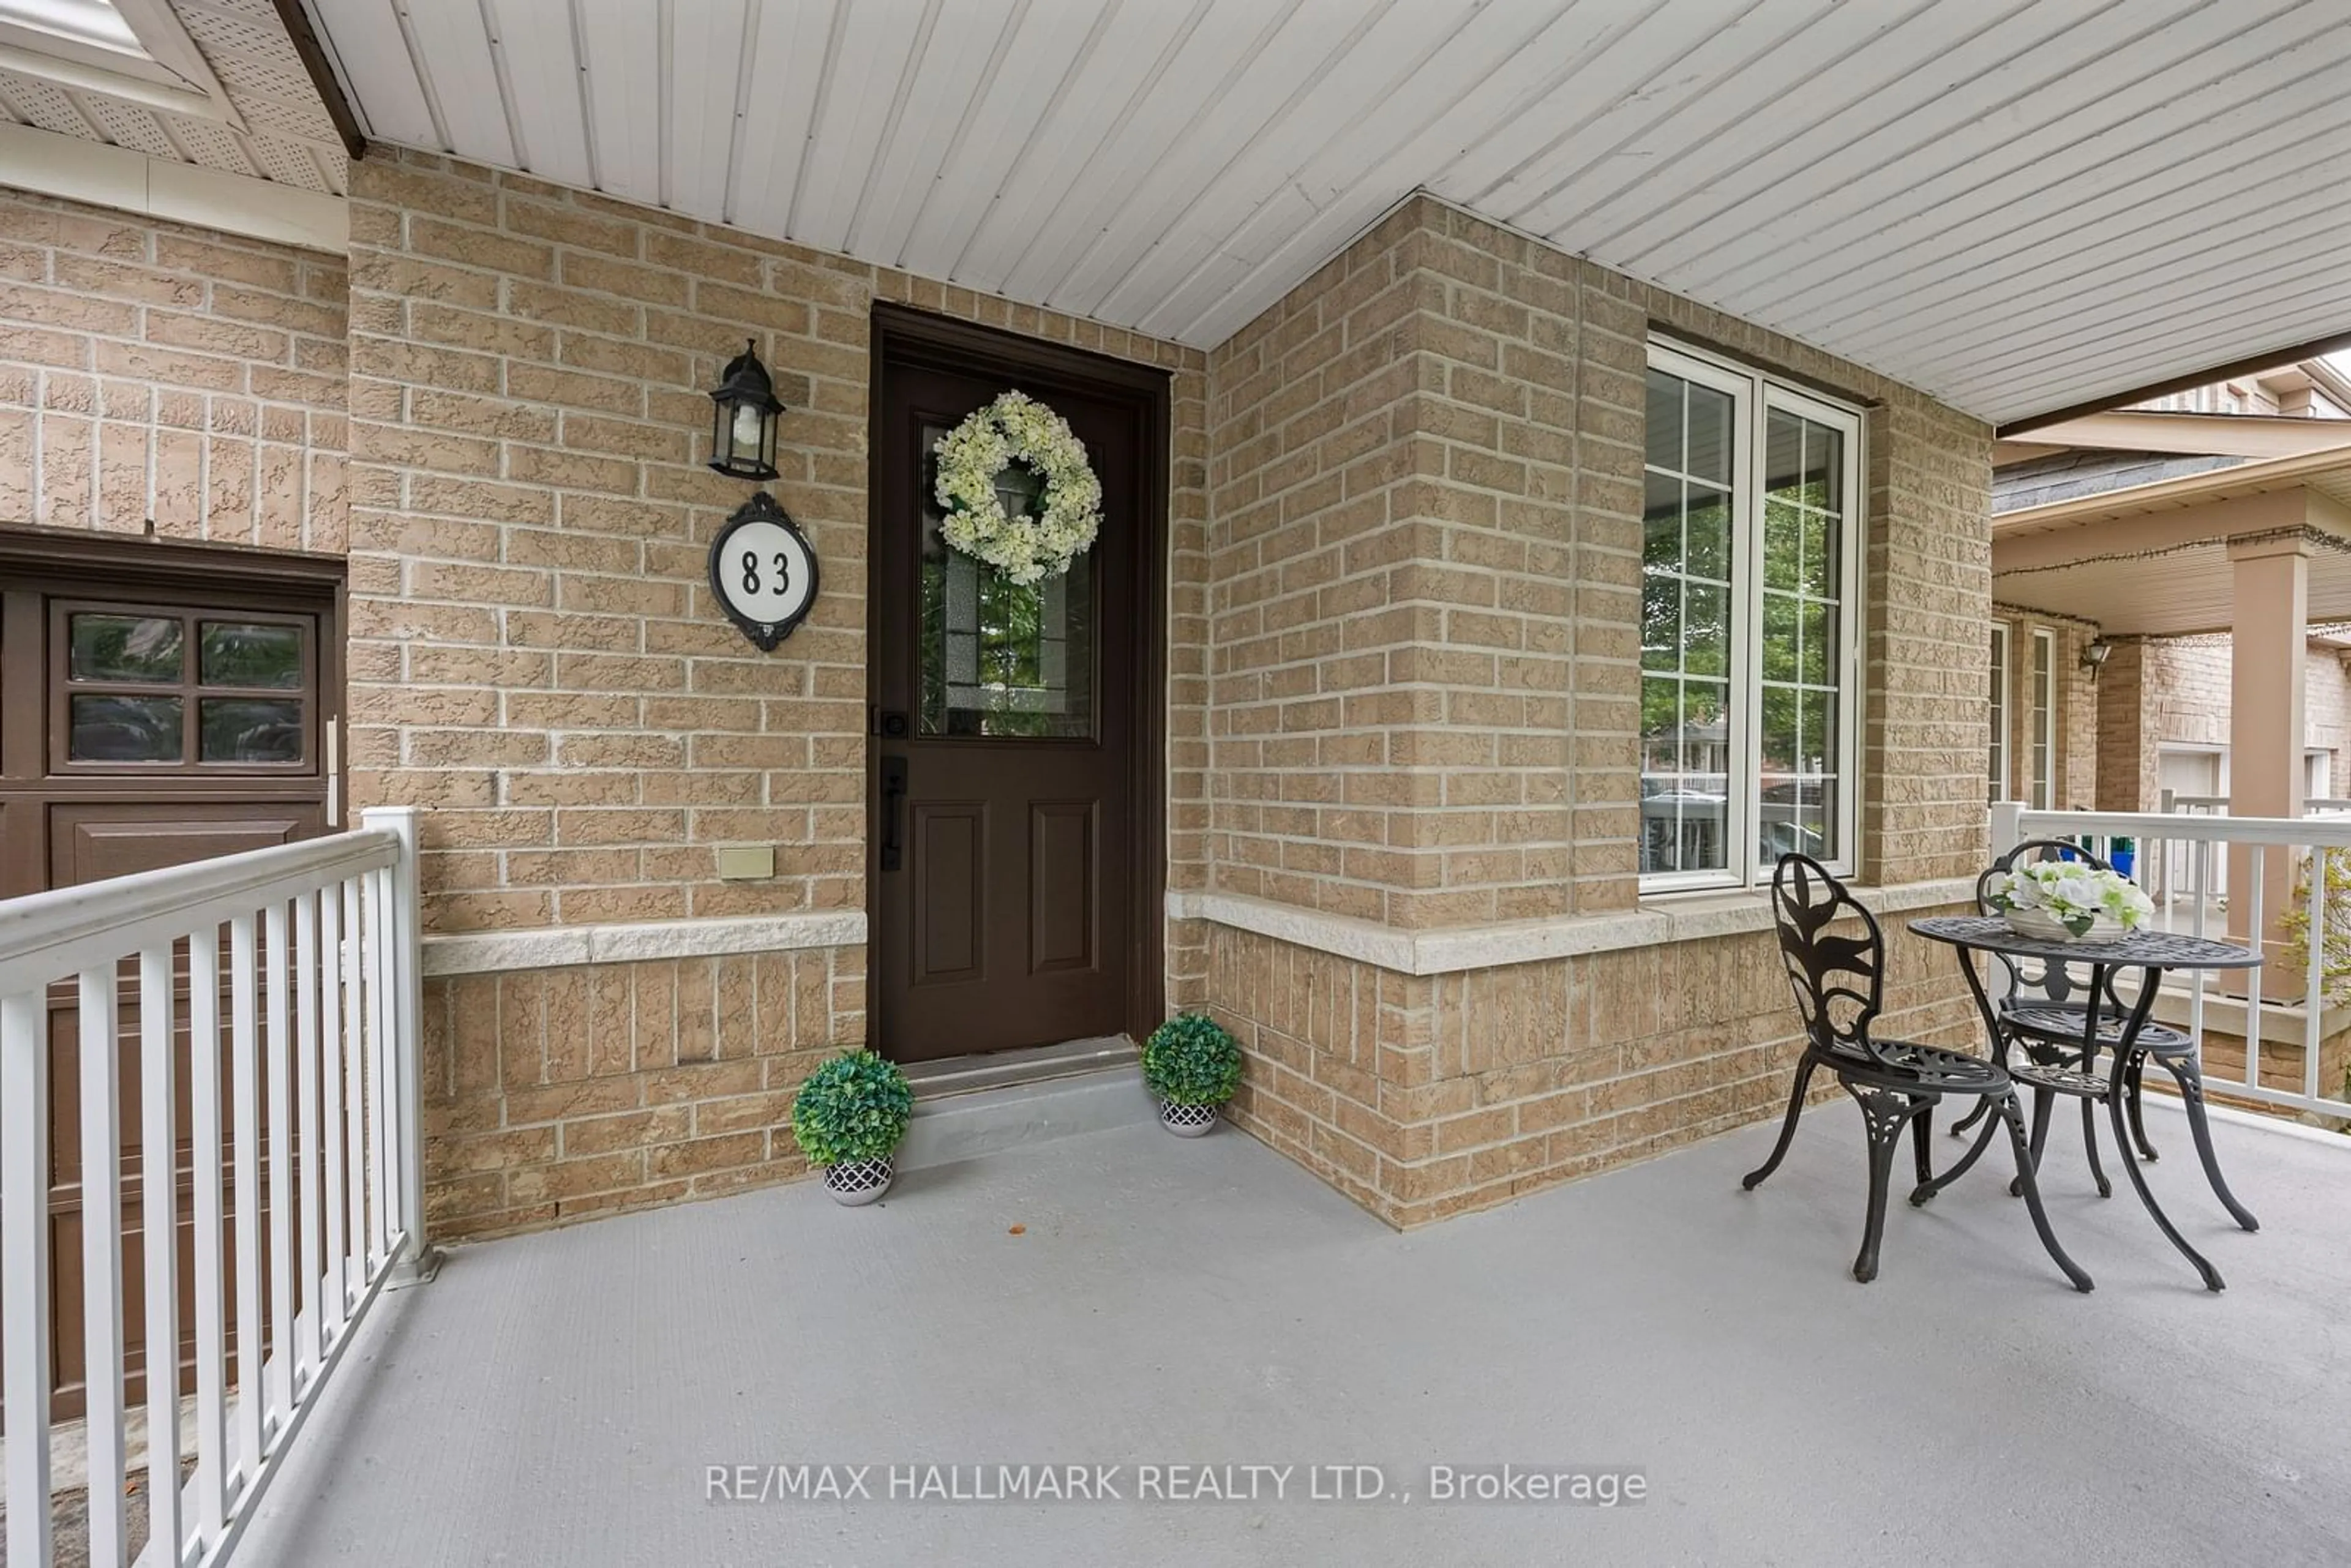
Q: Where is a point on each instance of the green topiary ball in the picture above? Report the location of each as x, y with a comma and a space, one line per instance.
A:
1191, 1060
852, 1107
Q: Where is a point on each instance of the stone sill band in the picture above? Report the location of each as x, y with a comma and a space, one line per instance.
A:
1687, 918
1682, 918
563, 946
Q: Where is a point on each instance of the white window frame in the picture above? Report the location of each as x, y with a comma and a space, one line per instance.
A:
2002, 772
2043, 785
1755, 394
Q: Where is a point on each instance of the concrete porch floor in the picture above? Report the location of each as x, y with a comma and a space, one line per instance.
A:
558, 1398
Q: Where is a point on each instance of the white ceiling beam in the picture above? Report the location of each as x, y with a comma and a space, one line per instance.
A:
2196, 434
132, 181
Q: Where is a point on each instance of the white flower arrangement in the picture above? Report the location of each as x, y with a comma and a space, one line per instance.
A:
2072, 893
1017, 428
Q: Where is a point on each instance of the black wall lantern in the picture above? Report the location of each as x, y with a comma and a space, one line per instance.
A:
743, 419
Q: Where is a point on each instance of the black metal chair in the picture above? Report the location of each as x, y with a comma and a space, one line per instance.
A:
1838, 978
2044, 1010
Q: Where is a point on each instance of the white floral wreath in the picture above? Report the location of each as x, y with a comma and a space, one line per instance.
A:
1015, 427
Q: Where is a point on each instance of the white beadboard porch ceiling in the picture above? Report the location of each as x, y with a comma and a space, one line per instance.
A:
2016, 205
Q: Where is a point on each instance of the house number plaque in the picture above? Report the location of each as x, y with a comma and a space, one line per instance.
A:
763, 571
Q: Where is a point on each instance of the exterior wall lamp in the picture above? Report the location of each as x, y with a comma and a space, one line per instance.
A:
2094, 657
744, 407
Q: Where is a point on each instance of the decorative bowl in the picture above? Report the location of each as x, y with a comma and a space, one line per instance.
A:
2043, 926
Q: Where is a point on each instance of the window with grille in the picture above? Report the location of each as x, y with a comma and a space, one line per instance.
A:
1749, 613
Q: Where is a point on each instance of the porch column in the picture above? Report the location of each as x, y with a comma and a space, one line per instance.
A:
2269, 633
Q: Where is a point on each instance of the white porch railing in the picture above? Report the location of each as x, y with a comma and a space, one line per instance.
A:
2179, 860
2218, 805
2172, 865
312, 1002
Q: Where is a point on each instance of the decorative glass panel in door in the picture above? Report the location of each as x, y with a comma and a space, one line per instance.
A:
999, 658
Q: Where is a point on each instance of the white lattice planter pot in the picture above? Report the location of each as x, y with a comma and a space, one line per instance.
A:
1188, 1121
854, 1181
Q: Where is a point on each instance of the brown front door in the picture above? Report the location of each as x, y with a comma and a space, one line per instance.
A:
1015, 845
157, 705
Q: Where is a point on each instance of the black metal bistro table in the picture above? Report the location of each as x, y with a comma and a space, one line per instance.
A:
2156, 953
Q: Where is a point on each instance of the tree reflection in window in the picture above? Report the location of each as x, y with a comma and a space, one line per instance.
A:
1803, 514
1687, 627
125, 648
126, 729
136, 698
250, 730
248, 654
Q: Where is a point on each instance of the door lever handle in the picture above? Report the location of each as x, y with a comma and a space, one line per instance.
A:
894, 801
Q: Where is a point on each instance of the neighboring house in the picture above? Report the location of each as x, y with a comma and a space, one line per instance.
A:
1529, 507
2115, 532
2163, 719
2044, 737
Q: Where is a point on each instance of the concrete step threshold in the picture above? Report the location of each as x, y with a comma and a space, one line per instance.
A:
968, 1107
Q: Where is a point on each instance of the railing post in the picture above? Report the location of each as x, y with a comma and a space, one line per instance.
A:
406, 958
2007, 826
101, 1060
24, 1303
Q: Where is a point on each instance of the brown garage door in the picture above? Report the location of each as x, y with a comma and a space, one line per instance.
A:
158, 704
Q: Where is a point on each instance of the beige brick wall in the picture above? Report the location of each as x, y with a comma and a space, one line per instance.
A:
555, 1094
1425, 564
533, 654
2077, 717
1424, 586
1310, 432
1326, 1038
1515, 566
1404, 601
2159, 691
534, 651
1423, 1097
535, 657
2127, 755
154, 372
1398, 573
